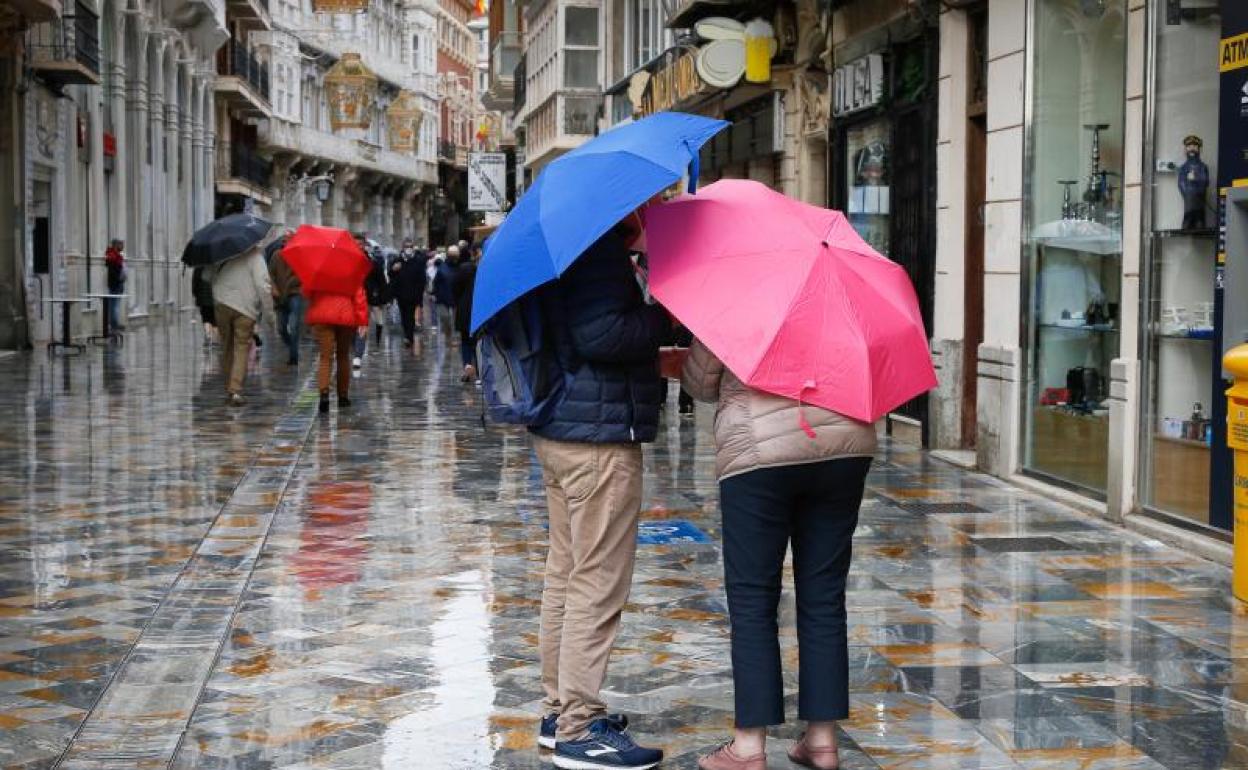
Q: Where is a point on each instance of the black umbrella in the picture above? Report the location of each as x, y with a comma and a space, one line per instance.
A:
272, 248
226, 238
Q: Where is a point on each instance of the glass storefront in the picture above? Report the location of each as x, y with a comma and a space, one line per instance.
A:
1180, 242
868, 201
1073, 236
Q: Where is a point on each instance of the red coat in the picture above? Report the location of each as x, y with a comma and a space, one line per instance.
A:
337, 309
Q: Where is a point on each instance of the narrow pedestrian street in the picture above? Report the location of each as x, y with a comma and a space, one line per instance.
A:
187, 585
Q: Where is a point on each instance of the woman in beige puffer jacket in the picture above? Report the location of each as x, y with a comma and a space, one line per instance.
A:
795, 473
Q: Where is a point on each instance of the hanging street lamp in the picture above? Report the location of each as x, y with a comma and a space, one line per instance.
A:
350, 88
403, 118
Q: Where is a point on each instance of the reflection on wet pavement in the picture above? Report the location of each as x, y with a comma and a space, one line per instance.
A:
187, 586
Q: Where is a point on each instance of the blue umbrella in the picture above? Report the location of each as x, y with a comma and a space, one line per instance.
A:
579, 197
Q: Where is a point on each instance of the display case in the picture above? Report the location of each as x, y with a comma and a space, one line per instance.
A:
1073, 237
1180, 241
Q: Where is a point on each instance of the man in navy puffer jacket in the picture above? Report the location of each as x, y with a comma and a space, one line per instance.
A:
607, 341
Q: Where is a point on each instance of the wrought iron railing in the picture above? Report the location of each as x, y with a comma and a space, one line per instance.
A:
446, 150
75, 37
235, 60
241, 161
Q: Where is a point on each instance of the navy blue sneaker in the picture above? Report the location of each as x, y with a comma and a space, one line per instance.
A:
605, 748
546, 738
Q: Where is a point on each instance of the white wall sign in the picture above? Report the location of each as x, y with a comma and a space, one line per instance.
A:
487, 181
858, 85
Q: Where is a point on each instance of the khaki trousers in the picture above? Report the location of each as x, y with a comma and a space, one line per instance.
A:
593, 492
236, 332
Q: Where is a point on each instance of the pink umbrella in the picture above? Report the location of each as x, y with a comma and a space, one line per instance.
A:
790, 298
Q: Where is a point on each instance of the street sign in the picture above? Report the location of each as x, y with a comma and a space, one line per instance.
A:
669, 532
487, 181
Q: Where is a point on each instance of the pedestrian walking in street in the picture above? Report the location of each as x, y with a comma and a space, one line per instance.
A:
240, 289
336, 316
444, 293
115, 265
606, 340
461, 287
377, 291
288, 302
431, 270
789, 473
407, 278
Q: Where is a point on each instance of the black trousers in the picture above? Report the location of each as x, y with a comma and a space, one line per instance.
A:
407, 315
815, 507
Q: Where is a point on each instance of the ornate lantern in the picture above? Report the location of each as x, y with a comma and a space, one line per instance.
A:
350, 89
403, 118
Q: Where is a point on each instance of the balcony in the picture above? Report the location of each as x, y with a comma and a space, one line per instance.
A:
452, 154
202, 21
504, 60
66, 51
242, 171
251, 14
35, 11
518, 86
293, 138
562, 122
243, 81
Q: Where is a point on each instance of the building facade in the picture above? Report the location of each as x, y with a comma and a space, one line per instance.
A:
1081, 318
457, 88
108, 132
378, 180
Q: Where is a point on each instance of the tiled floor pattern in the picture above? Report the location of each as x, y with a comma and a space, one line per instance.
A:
113, 466
389, 621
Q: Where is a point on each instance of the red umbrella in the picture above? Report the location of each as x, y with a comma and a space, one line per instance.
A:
326, 259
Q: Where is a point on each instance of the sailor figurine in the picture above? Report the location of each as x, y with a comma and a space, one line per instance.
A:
1193, 184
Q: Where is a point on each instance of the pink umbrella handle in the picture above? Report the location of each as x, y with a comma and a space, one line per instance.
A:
801, 410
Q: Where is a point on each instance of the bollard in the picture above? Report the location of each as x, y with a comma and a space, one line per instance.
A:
1236, 362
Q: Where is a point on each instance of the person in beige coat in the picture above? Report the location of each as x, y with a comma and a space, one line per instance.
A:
794, 474
241, 290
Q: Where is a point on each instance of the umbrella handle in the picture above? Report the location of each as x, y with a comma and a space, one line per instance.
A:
801, 410
695, 167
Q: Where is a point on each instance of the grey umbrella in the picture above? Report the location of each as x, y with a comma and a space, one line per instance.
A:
224, 239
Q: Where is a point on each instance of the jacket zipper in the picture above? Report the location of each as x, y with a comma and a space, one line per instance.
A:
632, 406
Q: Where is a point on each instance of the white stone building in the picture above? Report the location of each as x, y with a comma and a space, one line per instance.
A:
107, 132
371, 187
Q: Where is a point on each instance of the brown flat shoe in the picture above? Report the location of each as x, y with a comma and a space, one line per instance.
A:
724, 758
825, 758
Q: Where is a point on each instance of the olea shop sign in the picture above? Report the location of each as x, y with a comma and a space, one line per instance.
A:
858, 85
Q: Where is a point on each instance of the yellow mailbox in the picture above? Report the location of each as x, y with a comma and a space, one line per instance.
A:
1236, 362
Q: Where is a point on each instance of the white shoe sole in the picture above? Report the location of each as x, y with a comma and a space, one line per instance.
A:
568, 763
546, 743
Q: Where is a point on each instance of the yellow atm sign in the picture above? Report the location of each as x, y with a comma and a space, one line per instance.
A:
1233, 53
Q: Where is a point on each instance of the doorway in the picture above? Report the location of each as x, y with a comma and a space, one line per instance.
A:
976, 193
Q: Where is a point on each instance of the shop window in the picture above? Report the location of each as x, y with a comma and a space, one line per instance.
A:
1073, 237
1181, 243
580, 54
867, 181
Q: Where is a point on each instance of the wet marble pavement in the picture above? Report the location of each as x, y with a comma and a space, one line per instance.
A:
186, 586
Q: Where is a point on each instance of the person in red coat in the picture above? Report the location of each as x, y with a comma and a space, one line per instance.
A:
335, 318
